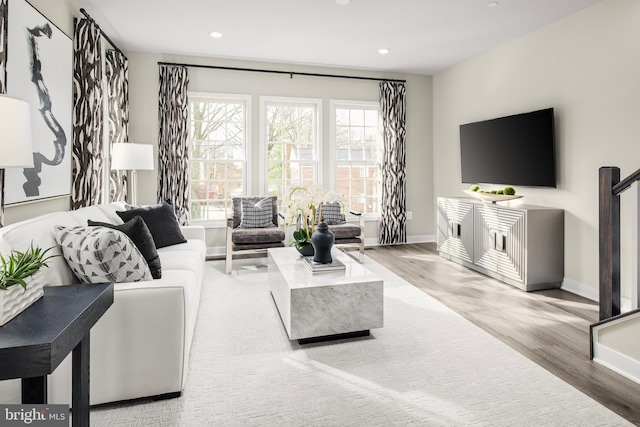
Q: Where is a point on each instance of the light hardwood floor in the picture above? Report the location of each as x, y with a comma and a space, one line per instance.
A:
549, 327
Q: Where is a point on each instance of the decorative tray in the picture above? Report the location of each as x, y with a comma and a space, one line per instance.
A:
488, 197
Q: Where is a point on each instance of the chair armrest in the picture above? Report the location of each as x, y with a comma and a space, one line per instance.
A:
230, 222
193, 232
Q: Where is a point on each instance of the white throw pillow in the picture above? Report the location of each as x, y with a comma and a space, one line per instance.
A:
100, 254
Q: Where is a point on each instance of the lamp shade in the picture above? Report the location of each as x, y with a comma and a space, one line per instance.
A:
129, 156
16, 149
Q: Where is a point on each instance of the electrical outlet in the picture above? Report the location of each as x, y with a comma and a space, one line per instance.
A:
409, 215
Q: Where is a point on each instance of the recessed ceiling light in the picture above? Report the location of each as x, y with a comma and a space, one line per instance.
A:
492, 4
215, 34
343, 2
383, 51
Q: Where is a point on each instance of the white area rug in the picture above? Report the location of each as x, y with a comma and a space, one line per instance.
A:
428, 366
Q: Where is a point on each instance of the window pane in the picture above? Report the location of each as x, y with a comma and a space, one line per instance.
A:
358, 146
292, 146
218, 155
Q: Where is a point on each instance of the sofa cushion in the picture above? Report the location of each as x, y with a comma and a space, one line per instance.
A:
332, 213
136, 229
39, 232
161, 221
256, 215
100, 254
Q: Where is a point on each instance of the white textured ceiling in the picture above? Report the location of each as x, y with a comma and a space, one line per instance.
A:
424, 36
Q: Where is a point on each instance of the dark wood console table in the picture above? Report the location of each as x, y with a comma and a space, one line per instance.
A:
35, 342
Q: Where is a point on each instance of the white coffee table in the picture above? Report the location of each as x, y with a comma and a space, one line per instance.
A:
322, 306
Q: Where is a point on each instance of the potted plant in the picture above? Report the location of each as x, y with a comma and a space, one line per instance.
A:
302, 207
18, 269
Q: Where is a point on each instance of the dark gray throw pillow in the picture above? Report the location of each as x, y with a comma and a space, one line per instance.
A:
136, 229
161, 221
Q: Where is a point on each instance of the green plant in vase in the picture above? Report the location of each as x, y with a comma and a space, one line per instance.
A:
19, 265
302, 207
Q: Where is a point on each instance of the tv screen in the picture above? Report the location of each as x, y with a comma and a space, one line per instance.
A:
513, 150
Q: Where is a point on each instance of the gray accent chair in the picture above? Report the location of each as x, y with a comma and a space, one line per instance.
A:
251, 240
350, 235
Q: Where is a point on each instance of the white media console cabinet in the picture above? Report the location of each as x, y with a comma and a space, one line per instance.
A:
521, 245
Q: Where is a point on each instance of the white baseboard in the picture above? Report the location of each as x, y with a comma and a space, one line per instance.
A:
591, 293
617, 362
217, 251
580, 289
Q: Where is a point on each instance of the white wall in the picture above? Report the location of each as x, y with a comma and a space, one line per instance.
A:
586, 66
143, 96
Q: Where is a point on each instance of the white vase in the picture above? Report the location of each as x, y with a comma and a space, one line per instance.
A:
16, 299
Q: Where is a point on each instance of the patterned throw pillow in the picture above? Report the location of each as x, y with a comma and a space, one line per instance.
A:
332, 213
100, 254
259, 215
136, 229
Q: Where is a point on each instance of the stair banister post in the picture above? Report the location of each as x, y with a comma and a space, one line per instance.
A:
609, 237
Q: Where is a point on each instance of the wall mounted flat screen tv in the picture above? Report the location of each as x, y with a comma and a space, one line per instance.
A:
513, 150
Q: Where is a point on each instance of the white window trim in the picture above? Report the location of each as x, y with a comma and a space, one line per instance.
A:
262, 163
247, 180
333, 104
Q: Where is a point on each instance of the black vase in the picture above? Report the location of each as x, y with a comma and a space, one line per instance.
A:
322, 241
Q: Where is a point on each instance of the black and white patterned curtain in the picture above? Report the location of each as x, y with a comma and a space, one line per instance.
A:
173, 139
392, 228
87, 115
117, 70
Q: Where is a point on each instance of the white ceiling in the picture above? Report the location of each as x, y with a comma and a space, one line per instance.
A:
424, 36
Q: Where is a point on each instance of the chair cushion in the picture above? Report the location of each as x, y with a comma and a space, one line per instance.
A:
256, 215
162, 223
271, 234
100, 254
136, 229
332, 213
345, 231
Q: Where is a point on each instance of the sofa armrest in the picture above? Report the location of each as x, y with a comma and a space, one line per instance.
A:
193, 232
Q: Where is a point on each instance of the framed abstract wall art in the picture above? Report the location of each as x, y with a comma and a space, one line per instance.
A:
40, 71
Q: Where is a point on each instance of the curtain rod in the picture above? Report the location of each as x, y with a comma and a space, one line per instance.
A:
290, 73
84, 12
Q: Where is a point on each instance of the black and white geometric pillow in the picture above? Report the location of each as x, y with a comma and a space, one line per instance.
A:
332, 213
100, 254
259, 215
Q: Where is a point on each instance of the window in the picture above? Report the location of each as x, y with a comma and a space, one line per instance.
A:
219, 152
290, 139
356, 159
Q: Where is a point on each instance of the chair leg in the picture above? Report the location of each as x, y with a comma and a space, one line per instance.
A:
361, 246
229, 255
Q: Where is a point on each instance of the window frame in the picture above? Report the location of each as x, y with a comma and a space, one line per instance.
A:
318, 149
248, 126
333, 161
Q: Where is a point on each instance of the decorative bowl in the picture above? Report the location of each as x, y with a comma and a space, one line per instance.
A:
488, 197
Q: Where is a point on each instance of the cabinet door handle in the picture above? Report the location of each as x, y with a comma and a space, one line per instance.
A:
501, 242
454, 229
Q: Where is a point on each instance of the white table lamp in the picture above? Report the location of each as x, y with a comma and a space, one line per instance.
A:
16, 149
132, 157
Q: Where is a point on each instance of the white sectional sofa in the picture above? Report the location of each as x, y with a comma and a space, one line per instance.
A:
141, 346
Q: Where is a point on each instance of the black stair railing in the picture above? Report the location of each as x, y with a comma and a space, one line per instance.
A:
610, 188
